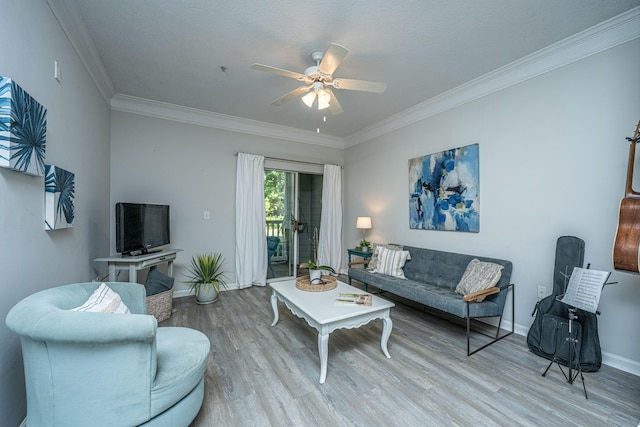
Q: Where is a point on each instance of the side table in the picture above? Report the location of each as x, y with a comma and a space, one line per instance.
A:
364, 255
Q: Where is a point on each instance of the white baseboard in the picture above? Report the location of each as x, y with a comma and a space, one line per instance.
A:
622, 363
181, 294
23, 423
186, 292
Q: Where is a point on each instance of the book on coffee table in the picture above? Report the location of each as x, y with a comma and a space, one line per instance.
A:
351, 299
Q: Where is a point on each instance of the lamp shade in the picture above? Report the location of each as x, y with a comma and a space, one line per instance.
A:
363, 222
309, 98
323, 99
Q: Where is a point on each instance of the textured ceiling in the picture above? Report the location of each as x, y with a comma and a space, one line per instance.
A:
197, 53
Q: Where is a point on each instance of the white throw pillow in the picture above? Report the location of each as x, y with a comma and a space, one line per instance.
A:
479, 275
390, 262
104, 300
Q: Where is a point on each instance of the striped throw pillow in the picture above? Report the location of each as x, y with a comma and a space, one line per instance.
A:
390, 262
104, 300
373, 261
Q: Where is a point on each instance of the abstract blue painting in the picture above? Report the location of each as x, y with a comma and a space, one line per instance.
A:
59, 193
23, 130
443, 190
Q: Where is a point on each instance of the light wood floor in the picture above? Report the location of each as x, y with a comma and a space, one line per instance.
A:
260, 375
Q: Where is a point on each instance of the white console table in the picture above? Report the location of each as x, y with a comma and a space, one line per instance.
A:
139, 262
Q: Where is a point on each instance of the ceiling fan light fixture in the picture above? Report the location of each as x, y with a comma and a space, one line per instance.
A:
308, 99
319, 80
323, 99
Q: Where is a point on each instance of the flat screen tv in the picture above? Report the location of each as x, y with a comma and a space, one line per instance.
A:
141, 227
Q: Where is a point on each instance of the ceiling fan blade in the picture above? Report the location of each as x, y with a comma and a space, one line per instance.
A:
334, 105
363, 85
279, 71
289, 96
332, 59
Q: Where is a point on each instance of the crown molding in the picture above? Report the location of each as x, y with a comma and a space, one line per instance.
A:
166, 111
73, 26
606, 35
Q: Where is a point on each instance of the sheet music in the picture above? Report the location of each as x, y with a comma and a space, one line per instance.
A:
585, 287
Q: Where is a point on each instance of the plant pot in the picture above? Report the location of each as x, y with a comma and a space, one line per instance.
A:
315, 277
206, 294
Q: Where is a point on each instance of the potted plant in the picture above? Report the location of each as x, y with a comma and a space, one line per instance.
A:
315, 271
365, 245
206, 277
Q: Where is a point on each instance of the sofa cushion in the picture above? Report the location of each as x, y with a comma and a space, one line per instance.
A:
390, 262
438, 297
478, 276
104, 300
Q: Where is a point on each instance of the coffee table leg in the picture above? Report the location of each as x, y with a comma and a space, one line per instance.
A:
274, 304
386, 333
323, 349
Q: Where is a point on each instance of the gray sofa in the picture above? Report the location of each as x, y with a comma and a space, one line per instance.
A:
431, 280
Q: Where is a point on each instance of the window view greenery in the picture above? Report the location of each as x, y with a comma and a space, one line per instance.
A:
275, 189
274, 192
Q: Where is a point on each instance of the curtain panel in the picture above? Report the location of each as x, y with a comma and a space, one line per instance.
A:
251, 242
330, 240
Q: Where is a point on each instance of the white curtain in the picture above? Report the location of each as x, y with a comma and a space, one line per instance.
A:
251, 242
330, 241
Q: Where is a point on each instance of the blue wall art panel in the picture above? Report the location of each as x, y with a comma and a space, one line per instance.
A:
59, 193
443, 190
23, 130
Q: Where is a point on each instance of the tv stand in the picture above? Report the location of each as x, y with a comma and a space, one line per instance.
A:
133, 263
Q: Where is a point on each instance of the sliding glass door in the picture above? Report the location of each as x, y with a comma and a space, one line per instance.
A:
280, 197
293, 203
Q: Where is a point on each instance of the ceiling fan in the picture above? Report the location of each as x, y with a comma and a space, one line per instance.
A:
319, 80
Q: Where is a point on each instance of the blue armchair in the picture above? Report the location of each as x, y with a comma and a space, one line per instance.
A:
98, 369
272, 248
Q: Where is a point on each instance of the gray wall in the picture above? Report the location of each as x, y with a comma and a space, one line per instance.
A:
553, 160
77, 140
192, 168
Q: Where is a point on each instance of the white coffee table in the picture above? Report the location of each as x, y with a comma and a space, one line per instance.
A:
321, 312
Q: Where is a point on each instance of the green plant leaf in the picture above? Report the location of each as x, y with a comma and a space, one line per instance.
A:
312, 266
206, 270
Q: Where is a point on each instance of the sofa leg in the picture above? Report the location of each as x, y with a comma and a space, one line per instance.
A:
497, 336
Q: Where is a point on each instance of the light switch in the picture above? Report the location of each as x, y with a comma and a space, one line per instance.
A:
56, 70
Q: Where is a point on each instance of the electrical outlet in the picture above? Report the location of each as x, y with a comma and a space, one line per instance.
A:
542, 292
207, 215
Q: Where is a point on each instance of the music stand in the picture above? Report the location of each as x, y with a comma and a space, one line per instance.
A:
583, 292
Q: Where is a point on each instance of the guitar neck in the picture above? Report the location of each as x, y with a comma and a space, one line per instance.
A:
632, 155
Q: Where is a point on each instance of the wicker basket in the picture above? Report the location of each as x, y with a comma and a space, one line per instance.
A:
328, 282
159, 305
